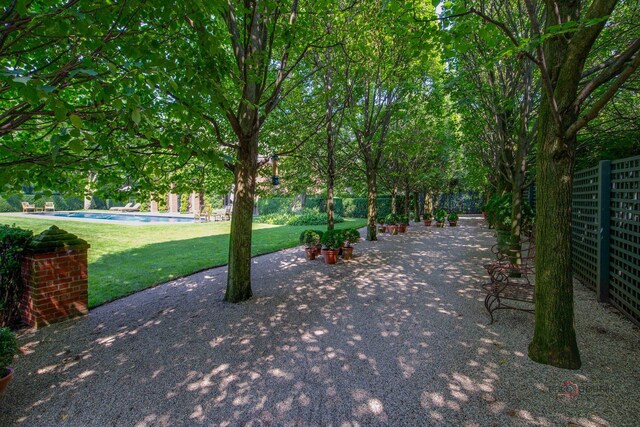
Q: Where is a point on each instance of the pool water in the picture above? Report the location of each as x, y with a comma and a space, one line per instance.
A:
117, 217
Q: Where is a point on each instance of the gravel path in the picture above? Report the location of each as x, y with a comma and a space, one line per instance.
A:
398, 336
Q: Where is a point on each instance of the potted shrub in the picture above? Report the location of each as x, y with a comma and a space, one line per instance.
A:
351, 237
440, 215
453, 219
310, 239
392, 223
426, 218
403, 223
8, 350
331, 242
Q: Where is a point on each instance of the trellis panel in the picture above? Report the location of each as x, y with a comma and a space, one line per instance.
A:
584, 226
624, 266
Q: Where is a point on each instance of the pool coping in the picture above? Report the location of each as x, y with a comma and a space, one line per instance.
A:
39, 215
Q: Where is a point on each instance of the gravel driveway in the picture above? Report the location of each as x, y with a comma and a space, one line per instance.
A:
398, 336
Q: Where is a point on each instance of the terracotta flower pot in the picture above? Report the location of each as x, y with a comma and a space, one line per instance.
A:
402, 228
4, 381
427, 222
381, 229
318, 248
311, 253
484, 215
439, 224
330, 256
347, 252
393, 229
453, 223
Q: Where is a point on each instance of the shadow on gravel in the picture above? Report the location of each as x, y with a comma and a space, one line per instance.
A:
397, 336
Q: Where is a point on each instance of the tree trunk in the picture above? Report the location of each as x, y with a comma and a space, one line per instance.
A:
428, 203
372, 211
239, 276
406, 198
394, 193
423, 199
331, 169
554, 340
416, 206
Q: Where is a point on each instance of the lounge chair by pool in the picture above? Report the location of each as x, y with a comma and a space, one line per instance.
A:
28, 207
49, 207
134, 208
121, 208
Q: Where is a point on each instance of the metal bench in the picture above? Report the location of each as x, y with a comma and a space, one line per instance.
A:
511, 276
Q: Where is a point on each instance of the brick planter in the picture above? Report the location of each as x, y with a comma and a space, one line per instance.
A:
54, 272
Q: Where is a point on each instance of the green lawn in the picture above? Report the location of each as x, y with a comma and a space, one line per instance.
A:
125, 259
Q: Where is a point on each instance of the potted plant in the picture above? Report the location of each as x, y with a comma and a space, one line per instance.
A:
392, 223
403, 223
381, 227
440, 215
426, 218
8, 350
351, 237
310, 239
453, 219
331, 242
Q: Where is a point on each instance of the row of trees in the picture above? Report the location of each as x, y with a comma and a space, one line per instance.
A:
348, 94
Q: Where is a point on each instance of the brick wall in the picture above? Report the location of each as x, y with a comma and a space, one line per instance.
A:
55, 279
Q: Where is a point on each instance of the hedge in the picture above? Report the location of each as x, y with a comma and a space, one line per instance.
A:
13, 203
13, 241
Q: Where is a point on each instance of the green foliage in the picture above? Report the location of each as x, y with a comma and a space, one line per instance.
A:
403, 219
320, 203
427, 215
392, 219
13, 241
309, 238
184, 203
355, 207
274, 205
351, 236
61, 203
309, 217
452, 216
333, 239
440, 215
8, 349
499, 211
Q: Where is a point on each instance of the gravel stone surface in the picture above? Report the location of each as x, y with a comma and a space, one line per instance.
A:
398, 336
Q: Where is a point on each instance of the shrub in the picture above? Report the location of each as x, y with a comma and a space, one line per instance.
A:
403, 219
453, 216
355, 207
8, 349
352, 236
392, 219
274, 205
440, 215
309, 238
13, 241
310, 217
499, 212
427, 215
332, 239
184, 203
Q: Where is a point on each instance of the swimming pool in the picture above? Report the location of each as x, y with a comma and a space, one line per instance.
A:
116, 217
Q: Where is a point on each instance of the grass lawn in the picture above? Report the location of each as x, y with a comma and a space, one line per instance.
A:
125, 259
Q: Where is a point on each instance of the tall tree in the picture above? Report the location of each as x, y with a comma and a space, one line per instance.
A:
578, 81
